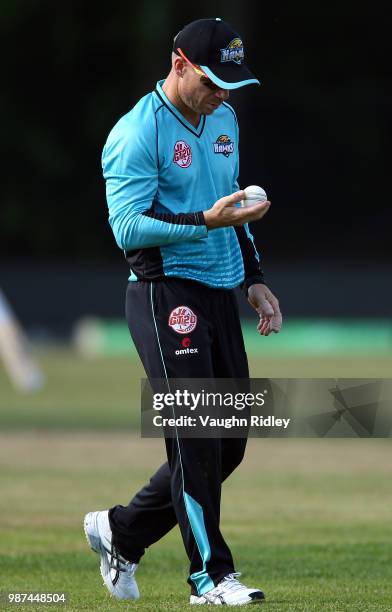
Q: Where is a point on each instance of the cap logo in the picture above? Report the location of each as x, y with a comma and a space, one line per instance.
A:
224, 145
234, 52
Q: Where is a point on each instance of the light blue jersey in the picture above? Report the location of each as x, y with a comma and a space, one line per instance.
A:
161, 173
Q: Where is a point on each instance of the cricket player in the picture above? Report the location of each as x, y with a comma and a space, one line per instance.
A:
171, 169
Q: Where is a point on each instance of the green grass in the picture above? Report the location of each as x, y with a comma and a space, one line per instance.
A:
309, 520
104, 393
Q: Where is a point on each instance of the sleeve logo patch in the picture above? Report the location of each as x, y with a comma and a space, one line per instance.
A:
182, 320
224, 145
234, 52
182, 154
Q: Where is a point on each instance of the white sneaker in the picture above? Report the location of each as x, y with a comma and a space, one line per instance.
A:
230, 592
118, 573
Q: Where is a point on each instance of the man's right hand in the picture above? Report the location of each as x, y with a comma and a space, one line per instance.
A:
223, 213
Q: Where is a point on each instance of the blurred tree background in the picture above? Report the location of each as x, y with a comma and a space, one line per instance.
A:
315, 134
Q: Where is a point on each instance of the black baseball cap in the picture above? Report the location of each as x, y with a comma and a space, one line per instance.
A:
218, 50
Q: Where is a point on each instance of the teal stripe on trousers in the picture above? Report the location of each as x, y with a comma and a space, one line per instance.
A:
195, 514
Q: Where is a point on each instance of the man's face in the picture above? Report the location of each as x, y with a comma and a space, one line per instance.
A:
199, 93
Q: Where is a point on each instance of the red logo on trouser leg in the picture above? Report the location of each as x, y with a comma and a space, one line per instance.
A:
186, 343
182, 320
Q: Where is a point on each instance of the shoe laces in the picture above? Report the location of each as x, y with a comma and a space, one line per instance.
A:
230, 582
118, 563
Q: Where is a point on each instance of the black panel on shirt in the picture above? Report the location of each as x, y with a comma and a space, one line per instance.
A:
253, 271
146, 264
196, 218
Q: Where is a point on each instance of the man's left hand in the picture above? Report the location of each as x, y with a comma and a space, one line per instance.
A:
267, 306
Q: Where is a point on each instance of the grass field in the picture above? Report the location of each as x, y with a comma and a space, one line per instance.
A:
308, 520
104, 393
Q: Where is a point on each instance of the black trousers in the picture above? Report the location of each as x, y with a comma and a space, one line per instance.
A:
164, 317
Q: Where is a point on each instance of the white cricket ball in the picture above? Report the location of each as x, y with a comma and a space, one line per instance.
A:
253, 194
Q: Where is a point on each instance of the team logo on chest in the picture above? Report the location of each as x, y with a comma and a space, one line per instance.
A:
224, 145
182, 154
182, 319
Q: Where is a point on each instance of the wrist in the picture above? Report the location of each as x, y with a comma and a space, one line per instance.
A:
255, 279
208, 219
